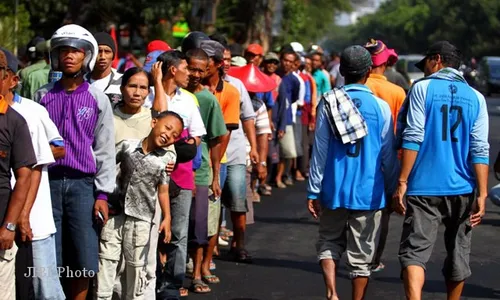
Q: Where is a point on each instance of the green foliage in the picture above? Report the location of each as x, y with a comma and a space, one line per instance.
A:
7, 27
411, 25
308, 21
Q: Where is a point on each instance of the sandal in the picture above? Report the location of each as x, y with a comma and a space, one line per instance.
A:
226, 232
183, 292
199, 287
378, 268
211, 279
240, 255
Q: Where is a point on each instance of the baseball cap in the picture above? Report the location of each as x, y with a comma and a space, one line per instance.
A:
151, 58
12, 62
270, 56
157, 45
255, 49
355, 60
213, 49
380, 53
441, 48
238, 61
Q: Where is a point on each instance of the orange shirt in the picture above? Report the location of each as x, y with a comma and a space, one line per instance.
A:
229, 101
393, 94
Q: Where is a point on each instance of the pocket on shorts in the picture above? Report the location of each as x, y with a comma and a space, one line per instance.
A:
107, 233
10, 254
141, 233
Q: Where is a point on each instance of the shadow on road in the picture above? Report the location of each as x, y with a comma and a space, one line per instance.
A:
491, 222
438, 287
275, 220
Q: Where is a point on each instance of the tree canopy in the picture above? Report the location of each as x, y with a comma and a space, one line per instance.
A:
410, 26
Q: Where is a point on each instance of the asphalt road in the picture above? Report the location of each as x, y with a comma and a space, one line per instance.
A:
283, 238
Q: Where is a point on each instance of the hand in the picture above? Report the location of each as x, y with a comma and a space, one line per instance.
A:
398, 198
261, 173
165, 227
102, 207
272, 126
25, 229
194, 191
314, 208
6, 238
478, 211
281, 133
312, 126
170, 168
254, 156
156, 72
216, 188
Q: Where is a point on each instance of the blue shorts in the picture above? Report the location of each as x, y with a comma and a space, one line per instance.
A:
77, 246
234, 193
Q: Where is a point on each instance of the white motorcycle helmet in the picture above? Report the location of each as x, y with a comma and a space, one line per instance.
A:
77, 37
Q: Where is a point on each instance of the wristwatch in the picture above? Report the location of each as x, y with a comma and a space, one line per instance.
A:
263, 163
10, 227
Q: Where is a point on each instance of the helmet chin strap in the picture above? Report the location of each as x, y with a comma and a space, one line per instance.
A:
73, 75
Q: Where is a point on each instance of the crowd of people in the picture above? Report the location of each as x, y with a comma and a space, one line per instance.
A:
121, 182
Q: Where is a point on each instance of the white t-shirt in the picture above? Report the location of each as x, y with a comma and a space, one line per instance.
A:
110, 85
185, 104
42, 131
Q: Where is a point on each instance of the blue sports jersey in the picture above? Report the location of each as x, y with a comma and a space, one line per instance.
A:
447, 123
355, 176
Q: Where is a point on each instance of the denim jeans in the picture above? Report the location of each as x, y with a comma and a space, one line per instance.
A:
73, 209
223, 176
171, 278
47, 285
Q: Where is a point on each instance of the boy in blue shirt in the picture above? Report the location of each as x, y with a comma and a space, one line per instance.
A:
348, 182
444, 130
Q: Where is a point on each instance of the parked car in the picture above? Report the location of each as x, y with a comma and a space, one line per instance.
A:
406, 66
488, 78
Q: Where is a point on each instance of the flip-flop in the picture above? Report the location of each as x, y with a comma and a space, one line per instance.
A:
379, 268
199, 287
183, 292
211, 279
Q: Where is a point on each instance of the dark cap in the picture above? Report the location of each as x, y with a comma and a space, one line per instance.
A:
355, 60
443, 48
213, 49
104, 38
12, 61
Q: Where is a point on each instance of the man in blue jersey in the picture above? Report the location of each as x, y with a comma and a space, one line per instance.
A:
349, 182
444, 131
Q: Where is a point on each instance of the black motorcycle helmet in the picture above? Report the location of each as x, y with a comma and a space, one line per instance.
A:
193, 40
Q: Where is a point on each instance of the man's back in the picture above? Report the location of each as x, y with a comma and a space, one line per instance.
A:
447, 123
387, 91
354, 171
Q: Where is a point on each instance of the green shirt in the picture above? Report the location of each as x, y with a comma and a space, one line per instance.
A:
34, 81
212, 117
24, 73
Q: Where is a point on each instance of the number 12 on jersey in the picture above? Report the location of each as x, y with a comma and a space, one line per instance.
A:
445, 114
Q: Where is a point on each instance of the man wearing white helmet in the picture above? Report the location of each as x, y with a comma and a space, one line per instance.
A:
81, 181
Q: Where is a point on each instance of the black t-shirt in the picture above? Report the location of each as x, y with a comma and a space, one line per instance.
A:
16, 150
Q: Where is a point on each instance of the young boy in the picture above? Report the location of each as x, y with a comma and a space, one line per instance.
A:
142, 176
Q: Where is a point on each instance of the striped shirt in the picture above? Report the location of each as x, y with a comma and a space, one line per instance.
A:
85, 121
